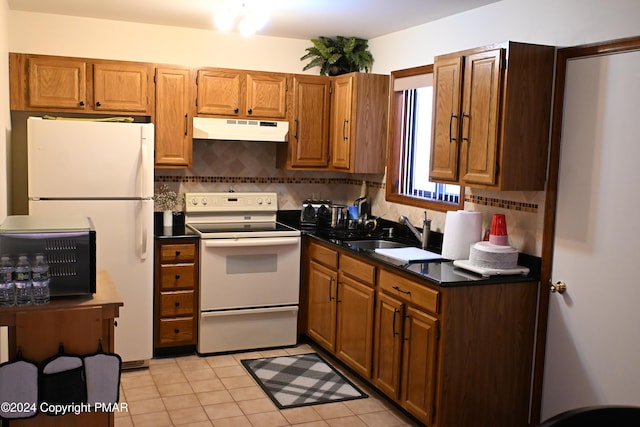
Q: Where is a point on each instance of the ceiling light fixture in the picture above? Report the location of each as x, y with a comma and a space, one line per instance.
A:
252, 16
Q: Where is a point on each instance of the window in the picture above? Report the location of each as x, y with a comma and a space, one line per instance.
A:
410, 121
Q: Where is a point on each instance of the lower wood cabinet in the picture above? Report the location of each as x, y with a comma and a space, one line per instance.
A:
175, 293
340, 306
406, 343
449, 355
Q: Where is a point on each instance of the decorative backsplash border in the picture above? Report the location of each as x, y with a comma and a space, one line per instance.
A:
501, 203
471, 198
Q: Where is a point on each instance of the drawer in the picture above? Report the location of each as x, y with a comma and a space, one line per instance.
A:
409, 291
177, 276
358, 269
180, 331
178, 252
174, 304
323, 255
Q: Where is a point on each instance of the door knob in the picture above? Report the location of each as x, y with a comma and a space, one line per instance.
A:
559, 287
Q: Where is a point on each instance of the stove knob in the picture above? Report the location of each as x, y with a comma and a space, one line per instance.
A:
194, 201
259, 201
205, 202
268, 200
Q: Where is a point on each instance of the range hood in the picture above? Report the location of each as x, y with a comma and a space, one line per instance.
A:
240, 129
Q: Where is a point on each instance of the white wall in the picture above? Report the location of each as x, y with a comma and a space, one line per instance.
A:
105, 39
5, 119
553, 22
5, 123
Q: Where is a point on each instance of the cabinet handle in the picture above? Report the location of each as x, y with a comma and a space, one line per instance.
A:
250, 111
468, 126
98, 104
296, 134
82, 103
177, 277
337, 292
397, 288
235, 110
395, 315
344, 129
330, 283
176, 331
186, 124
177, 303
177, 253
451, 138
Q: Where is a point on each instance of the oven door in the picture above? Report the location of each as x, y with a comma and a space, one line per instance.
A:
249, 272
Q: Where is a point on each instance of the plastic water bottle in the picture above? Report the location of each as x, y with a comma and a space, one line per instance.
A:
22, 281
40, 280
7, 289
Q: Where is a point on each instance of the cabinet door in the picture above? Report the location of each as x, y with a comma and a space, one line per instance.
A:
480, 117
173, 143
309, 137
447, 83
266, 95
418, 364
58, 83
321, 322
219, 92
120, 86
387, 345
341, 122
354, 337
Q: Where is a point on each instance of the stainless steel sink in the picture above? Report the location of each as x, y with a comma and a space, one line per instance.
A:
375, 244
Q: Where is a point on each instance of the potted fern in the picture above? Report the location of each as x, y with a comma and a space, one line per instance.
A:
338, 56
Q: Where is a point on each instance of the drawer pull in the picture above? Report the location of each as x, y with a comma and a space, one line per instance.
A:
397, 288
177, 303
177, 253
177, 277
176, 331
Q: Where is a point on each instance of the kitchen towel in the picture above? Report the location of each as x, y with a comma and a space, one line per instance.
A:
461, 230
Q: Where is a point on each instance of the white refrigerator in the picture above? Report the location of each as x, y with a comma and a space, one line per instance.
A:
103, 170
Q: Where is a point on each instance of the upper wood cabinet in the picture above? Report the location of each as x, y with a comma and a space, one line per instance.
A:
309, 129
244, 94
491, 116
120, 86
173, 118
60, 84
358, 123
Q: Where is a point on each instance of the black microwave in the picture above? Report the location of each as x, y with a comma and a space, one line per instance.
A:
68, 245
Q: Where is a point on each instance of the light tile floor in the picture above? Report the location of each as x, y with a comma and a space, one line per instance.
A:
193, 391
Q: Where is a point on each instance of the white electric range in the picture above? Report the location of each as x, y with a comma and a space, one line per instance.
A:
249, 271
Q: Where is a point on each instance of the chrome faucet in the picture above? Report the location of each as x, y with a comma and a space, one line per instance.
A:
426, 229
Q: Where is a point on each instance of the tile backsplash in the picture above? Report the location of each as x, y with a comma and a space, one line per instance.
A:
251, 166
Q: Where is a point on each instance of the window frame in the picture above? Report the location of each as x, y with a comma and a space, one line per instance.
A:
394, 171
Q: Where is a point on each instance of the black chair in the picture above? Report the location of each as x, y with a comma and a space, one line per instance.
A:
605, 416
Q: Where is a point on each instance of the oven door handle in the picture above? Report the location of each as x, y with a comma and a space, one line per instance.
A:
263, 310
251, 242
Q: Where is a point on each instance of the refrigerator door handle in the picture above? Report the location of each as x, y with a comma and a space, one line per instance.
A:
145, 160
144, 236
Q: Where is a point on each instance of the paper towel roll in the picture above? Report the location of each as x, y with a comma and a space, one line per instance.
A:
461, 230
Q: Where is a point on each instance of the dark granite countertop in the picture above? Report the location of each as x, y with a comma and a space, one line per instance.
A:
442, 273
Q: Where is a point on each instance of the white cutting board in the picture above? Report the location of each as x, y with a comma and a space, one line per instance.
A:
408, 254
486, 272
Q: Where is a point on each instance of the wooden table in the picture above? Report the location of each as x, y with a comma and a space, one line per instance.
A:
79, 324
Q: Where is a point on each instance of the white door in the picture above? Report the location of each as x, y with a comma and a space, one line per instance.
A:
593, 338
124, 248
83, 159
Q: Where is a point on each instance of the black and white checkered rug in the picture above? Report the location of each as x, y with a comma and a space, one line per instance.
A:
300, 380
